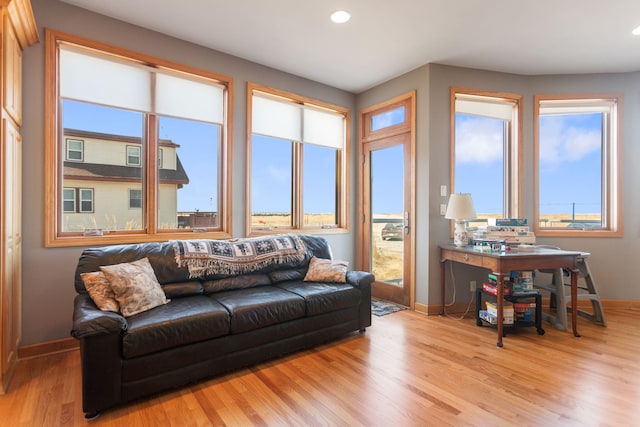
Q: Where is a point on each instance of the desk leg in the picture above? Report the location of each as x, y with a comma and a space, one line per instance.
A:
442, 287
500, 306
574, 301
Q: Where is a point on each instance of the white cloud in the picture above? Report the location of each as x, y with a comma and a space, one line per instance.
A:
560, 142
479, 141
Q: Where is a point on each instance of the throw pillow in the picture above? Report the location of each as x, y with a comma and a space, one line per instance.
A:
135, 286
100, 291
326, 270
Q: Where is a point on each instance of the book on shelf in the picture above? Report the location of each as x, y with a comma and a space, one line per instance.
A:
493, 289
507, 311
507, 229
508, 221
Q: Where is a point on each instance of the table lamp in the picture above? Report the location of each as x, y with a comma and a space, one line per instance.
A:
460, 208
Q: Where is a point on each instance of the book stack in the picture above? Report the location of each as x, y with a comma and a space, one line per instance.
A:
507, 311
522, 282
491, 286
524, 311
507, 230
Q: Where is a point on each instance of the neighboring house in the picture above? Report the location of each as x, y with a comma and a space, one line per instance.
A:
103, 182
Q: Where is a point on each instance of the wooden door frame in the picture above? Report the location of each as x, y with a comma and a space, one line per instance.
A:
364, 136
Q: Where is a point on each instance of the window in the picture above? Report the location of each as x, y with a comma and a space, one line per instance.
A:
297, 152
77, 200
578, 166
86, 199
133, 155
135, 199
75, 150
486, 151
148, 136
69, 199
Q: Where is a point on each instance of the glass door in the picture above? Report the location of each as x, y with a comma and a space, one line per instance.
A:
387, 201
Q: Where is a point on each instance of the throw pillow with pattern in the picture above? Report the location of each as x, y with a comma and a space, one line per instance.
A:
135, 286
100, 291
326, 270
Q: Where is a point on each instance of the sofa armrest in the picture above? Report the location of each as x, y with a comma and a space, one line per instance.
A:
360, 279
89, 320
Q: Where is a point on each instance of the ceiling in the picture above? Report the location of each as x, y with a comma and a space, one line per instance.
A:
385, 38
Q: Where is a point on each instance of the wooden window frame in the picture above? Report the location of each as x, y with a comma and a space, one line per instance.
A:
612, 161
54, 237
342, 179
512, 197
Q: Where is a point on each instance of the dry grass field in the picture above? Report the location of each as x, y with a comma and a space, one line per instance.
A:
387, 255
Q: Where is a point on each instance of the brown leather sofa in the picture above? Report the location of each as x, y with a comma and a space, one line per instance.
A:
199, 334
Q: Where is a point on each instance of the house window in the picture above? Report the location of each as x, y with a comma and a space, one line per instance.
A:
135, 199
169, 120
578, 165
86, 200
133, 155
297, 152
486, 151
77, 200
69, 199
75, 150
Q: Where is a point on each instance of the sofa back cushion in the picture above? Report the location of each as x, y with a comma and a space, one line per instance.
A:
161, 256
236, 282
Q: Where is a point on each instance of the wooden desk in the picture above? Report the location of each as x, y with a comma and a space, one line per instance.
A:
502, 263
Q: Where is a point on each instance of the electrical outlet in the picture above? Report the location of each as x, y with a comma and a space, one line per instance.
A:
472, 286
443, 191
443, 209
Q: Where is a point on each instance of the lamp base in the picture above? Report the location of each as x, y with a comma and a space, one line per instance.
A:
460, 233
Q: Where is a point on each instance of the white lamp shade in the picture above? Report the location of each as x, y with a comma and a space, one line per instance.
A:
460, 207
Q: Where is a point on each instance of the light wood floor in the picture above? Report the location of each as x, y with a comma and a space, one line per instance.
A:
407, 369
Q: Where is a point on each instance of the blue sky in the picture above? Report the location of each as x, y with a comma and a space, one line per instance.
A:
570, 153
569, 163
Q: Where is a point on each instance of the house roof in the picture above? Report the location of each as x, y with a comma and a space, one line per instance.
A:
102, 172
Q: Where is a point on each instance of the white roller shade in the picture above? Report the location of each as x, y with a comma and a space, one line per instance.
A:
90, 78
323, 128
189, 99
575, 107
275, 118
502, 110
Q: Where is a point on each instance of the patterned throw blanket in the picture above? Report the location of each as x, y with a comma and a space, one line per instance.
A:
237, 256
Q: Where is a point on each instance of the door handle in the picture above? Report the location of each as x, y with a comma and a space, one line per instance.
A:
406, 223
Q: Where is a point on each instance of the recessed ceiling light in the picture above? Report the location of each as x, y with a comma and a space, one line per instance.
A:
636, 32
340, 16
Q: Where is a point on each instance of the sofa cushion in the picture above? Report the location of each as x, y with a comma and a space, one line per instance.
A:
285, 275
100, 291
254, 308
323, 297
181, 321
183, 289
326, 270
135, 286
236, 282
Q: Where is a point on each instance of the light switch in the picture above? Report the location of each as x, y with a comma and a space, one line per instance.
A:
443, 191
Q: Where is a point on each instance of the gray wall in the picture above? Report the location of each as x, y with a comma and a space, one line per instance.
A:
612, 259
48, 273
